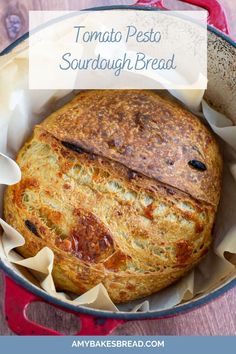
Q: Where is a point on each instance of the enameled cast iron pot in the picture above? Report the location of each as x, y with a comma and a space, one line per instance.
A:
221, 93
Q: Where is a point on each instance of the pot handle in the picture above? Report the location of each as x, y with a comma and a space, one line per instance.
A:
17, 299
216, 13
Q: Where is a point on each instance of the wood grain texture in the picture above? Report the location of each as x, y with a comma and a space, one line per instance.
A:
20, 8
216, 318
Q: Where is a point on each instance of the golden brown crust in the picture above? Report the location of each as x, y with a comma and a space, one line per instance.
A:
104, 222
146, 133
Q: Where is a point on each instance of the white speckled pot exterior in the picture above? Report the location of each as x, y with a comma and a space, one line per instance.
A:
221, 90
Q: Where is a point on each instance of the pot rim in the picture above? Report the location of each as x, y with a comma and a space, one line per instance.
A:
210, 28
180, 309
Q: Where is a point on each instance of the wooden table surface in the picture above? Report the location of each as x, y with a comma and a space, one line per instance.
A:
216, 318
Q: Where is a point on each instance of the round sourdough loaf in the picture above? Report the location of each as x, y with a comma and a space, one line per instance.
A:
123, 186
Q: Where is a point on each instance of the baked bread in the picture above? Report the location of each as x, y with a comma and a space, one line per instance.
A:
123, 186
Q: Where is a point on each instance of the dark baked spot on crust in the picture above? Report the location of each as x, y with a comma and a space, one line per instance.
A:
115, 143
184, 251
132, 174
141, 119
121, 116
42, 229
91, 241
92, 157
199, 227
128, 150
170, 191
169, 162
148, 212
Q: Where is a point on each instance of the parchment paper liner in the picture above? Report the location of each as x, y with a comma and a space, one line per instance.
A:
21, 109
